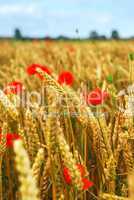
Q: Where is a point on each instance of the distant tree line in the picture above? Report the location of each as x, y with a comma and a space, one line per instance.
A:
94, 35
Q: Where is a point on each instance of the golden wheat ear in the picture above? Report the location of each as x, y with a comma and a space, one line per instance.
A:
28, 187
36, 168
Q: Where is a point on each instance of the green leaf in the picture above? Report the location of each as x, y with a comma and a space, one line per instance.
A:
110, 79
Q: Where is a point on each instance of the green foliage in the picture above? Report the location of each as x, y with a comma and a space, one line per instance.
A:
131, 56
115, 35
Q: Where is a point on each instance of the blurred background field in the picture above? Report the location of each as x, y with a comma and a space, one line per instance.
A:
82, 58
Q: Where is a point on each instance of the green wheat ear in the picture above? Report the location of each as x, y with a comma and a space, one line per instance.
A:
131, 56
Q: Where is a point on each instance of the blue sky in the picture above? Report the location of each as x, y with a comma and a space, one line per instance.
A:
63, 17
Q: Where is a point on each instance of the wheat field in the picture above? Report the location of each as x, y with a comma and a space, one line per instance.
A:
66, 120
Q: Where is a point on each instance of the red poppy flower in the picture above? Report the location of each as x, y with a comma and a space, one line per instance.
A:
67, 176
81, 168
14, 87
10, 137
66, 77
96, 97
70, 48
32, 69
86, 184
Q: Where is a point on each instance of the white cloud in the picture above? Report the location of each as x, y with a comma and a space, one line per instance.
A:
28, 9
